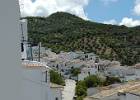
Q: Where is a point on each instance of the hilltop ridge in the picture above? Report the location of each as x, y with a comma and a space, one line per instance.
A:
66, 32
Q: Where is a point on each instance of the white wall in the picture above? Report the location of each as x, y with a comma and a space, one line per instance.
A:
23, 28
10, 65
85, 73
34, 86
57, 93
82, 76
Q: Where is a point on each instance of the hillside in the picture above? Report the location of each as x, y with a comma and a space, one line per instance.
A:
66, 32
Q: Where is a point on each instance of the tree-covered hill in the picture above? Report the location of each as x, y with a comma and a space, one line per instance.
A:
65, 32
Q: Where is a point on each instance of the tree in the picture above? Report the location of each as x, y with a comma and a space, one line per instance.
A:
75, 71
111, 80
81, 89
56, 78
93, 81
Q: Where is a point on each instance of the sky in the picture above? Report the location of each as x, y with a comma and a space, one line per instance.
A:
116, 12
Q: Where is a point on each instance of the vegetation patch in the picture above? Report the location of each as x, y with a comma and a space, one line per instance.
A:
93, 81
56, 78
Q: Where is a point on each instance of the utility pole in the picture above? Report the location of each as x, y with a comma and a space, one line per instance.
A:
31, 52
39, 45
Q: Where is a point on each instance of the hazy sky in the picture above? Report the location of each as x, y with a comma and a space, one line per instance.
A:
120, 12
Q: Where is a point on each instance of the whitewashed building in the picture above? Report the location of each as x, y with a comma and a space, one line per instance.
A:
36, 83
87, 71
121, 71
87, 56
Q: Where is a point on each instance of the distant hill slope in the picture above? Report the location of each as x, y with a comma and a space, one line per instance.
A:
65, 32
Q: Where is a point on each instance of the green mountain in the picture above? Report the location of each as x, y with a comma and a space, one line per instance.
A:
65, 32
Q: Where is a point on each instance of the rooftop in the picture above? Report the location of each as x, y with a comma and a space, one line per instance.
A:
130, 87
34, 65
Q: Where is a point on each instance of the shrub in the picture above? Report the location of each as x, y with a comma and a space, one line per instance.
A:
111, 80
81, 89
55, 77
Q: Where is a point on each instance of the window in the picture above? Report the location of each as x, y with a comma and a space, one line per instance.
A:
88, 73
22, 47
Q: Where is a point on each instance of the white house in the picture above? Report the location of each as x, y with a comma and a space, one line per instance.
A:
68, 55
36, 82
85, 72
87, 56
125, 73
